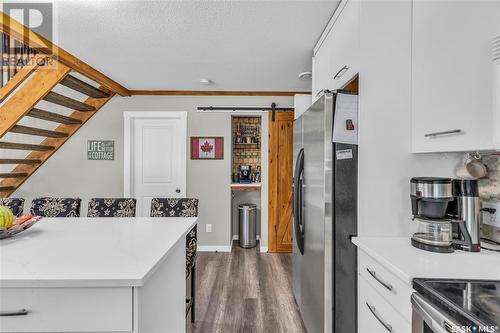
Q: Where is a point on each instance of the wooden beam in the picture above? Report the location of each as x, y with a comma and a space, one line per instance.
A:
13, 175
18, 161
76, 84
34, 90
21, 76
54, 117
56, 142
37, 131
215, 93
24, 146
18, 31
65, 101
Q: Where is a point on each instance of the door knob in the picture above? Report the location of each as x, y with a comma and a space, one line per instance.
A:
177, 190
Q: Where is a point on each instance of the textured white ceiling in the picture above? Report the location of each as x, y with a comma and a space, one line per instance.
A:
239, 45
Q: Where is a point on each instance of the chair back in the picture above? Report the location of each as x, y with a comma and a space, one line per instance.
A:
174, 207
180, 207
56, 207
16, 205
111, 207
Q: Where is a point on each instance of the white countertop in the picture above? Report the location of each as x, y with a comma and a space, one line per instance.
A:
89, 252
408, 262
246, 185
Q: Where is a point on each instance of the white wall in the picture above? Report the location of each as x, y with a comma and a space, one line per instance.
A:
385, 162
69, 174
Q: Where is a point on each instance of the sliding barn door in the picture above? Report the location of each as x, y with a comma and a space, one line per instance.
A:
280, 181
156, 152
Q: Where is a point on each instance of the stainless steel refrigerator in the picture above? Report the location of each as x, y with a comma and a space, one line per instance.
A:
325, 213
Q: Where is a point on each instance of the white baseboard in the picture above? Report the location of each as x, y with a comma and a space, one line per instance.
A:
214, 248
263, 249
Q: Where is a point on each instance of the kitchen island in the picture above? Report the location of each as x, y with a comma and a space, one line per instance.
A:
95, 275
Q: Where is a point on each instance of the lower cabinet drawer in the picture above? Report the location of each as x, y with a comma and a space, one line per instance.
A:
393, 289
66, 309
375, 314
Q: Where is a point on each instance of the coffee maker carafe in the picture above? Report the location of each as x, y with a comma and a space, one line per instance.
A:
441, 208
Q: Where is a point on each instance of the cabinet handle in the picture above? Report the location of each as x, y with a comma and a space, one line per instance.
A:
22, 312
341, 72
455, 131
373, 311
374, 274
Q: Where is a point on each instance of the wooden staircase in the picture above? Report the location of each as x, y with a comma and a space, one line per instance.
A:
24, 86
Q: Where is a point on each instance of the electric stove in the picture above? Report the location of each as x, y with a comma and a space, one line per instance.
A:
469, 303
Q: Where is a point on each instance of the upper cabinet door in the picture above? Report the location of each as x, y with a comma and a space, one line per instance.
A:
453, 75
345, 45
336, 60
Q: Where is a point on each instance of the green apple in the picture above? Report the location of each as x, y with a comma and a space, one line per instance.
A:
6, 217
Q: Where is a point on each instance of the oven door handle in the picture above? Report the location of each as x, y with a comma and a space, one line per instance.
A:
418, 306
434, 318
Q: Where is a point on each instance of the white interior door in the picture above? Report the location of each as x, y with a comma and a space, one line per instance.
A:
155, 156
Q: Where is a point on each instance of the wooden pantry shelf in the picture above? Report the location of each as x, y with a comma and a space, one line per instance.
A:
245, 187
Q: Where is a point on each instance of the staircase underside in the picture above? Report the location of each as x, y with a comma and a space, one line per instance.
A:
37, 85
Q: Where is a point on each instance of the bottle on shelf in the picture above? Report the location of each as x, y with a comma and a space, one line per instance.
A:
238, 134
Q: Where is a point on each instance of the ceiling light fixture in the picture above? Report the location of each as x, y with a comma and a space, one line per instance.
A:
205, 82
305, 75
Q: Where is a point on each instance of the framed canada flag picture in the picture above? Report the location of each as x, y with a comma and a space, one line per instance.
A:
207, 148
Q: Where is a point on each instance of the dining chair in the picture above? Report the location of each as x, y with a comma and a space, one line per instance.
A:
182, 207
16, 205
56, 207
111, 207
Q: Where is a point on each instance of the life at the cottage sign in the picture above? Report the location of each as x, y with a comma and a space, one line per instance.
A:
100, 150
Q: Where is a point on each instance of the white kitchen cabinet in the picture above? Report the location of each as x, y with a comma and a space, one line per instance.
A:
336, 57
395, 291
301, 103
453, 75
67, 309
375, 314
322, 78
383, 299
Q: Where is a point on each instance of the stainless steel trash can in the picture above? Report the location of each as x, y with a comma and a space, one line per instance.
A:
247, 237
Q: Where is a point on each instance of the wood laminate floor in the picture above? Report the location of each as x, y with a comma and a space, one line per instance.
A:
245, 291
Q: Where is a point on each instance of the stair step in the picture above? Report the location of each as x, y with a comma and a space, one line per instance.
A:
18, 161
71, 103
24, 146
50, 116
83, 87
7, 188
13, 175
37, 131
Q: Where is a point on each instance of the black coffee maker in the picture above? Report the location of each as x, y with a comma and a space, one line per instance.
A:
438, 210
245, 173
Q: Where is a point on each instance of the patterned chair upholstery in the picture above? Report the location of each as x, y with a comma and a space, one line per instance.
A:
109, 207
16, 205
56, 207
181, 207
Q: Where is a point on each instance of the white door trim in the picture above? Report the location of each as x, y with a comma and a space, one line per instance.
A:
129, 117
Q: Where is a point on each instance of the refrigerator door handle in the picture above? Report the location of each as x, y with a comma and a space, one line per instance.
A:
297, 202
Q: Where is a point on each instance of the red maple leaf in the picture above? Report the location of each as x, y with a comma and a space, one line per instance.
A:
207, 147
